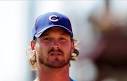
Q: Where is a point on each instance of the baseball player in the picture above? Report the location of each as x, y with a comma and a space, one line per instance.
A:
52, 47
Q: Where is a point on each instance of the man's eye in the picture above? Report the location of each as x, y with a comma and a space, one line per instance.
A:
45, 38
63, 39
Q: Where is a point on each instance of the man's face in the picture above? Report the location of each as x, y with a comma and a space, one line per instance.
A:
54, 48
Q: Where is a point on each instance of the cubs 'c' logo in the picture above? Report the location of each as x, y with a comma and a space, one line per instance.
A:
53, 18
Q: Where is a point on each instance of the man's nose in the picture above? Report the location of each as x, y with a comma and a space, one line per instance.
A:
55, 44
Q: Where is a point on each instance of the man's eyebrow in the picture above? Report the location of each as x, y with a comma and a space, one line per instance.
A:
65, 33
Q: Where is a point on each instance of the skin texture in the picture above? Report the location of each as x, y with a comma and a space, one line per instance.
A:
53, 51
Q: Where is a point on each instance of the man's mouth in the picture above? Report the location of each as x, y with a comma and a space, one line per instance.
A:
55, 53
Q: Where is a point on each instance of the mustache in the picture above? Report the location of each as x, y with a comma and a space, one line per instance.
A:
54, 50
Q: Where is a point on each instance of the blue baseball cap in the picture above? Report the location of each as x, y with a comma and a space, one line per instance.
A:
50, 20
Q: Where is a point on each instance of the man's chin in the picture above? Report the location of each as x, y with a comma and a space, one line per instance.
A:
55, 65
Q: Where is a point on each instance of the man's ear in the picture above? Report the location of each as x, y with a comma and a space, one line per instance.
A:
75, 52
72, 45
33, 42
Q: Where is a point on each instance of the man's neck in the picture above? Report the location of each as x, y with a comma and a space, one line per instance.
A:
54, 74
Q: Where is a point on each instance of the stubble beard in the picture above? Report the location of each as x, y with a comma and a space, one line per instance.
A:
56, 63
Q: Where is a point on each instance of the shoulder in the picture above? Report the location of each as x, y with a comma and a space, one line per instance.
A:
73, 80
36, 79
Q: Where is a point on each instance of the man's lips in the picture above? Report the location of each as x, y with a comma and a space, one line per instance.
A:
55, 53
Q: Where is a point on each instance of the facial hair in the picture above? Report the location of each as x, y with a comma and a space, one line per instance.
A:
56, 63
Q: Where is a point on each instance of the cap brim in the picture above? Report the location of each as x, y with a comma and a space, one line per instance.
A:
51, 26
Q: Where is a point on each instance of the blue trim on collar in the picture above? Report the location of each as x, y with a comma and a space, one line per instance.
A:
72, 80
